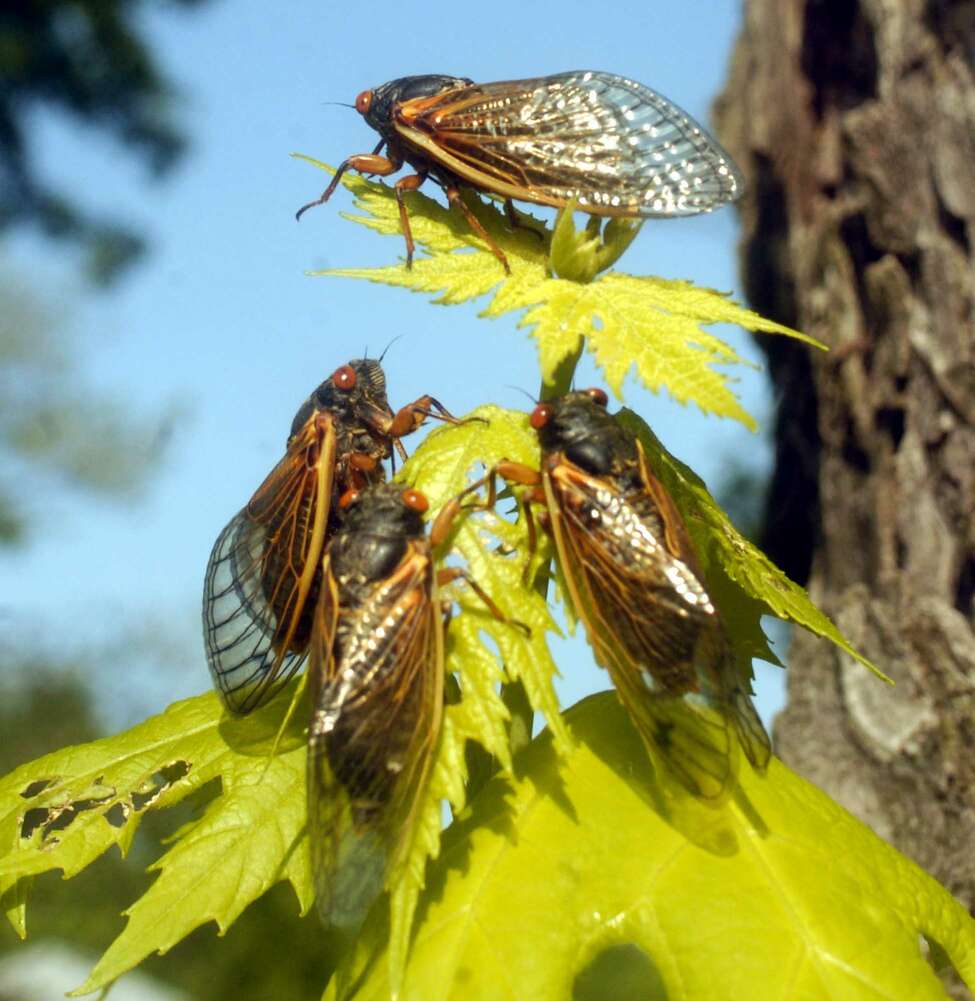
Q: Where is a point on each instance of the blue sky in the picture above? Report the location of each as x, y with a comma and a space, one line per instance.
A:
222, 322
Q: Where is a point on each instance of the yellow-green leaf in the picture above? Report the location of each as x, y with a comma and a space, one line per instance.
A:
649, 325
569, 880
63, 810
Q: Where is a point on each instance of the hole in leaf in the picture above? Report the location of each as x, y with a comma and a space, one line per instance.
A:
35, 817
621, 972
169, 774
36, 787
58, 818
117, 814
175, 771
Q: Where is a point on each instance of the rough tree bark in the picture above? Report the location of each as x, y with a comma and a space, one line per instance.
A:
854, 121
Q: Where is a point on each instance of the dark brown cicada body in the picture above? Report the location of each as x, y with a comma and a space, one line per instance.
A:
634, 581
264, 571
377, 685
614, 146
377, 677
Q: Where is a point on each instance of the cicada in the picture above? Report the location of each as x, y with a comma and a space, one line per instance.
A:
265, 568
634, 580
614, 146
377, 680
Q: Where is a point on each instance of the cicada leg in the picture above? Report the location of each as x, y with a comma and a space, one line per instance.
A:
512, 472
514, 221
455, 198
410, 183
364, 163
449, 574
410, 417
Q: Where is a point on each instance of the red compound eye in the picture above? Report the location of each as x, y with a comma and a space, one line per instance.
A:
541, 415
344, 377
364, 102
349, 497
415, 501
598, 396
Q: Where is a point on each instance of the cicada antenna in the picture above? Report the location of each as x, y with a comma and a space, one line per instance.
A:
524, 392
391, 342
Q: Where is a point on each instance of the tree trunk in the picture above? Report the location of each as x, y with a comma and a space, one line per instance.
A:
855, 125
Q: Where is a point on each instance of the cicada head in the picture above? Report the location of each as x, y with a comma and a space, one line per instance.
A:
354, 391
578, 426
378, 105
373, 537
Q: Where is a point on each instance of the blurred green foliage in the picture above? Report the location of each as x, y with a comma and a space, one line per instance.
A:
52, 423
87, 59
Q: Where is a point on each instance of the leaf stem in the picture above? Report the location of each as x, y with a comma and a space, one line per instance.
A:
561, 380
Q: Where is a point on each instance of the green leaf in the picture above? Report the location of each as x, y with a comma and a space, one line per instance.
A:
572, 869
650, 324
63, 810
579, 255
746, 584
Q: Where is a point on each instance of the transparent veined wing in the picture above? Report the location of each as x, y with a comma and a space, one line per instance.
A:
653, 628
263, 573
377, 675
617, 146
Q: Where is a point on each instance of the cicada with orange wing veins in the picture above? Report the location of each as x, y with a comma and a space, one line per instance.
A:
377, 678
614, 146
264, 571
634, 580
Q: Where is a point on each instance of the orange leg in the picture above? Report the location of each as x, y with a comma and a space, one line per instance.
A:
410, 183
454, 197
362, 461
364, 163
513, 472
410, 417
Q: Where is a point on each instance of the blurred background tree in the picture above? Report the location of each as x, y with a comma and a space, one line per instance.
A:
854, 123
87, 59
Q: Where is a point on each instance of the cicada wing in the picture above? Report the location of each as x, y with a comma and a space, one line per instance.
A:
373, 735
649, 643
262, 571
724, 680
617, 146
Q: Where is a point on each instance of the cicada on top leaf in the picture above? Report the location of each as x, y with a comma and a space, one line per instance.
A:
607, 143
